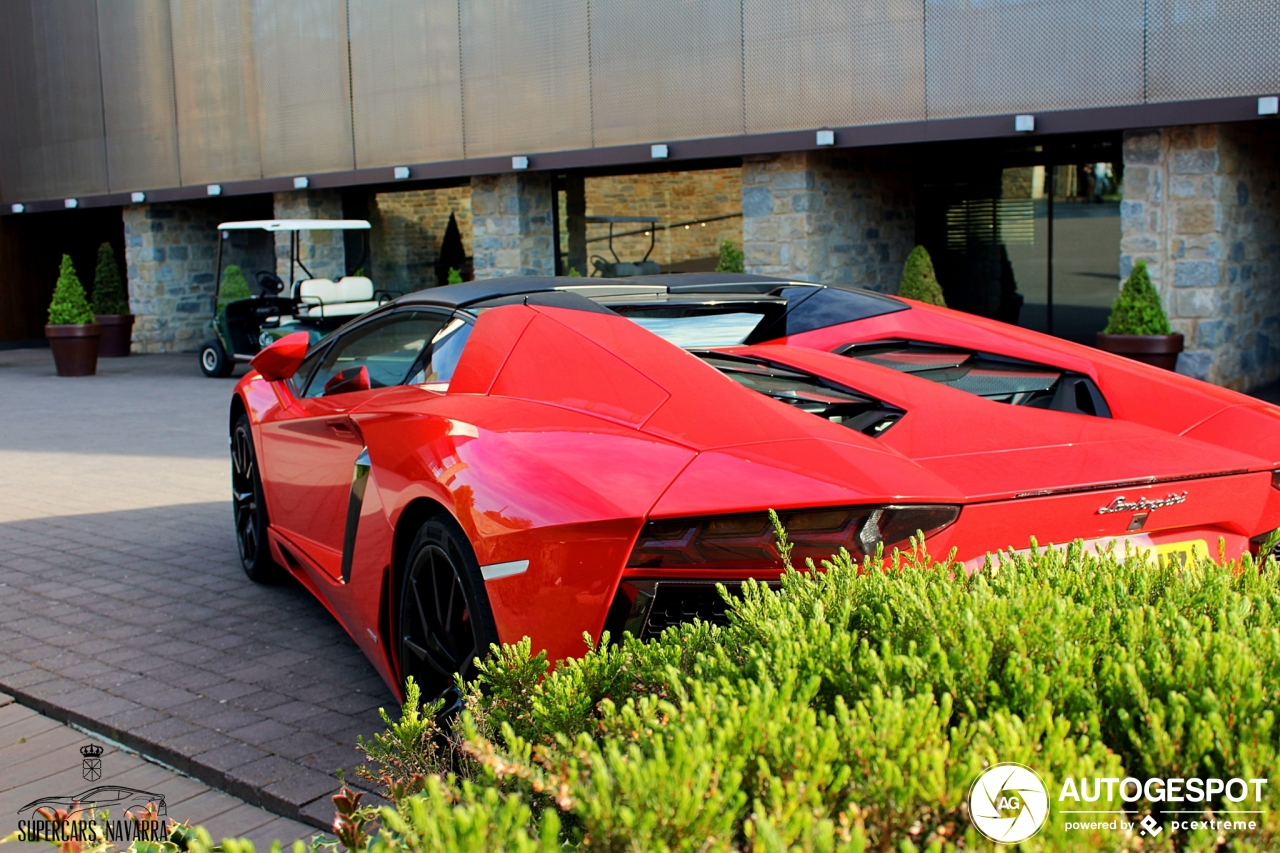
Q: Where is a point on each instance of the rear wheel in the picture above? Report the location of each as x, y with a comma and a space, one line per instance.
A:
214, 360
445, 619
249, 507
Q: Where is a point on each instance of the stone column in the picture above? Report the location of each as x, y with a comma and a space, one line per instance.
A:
322, 252
169, 259
829, 217
511, 225
1202, 207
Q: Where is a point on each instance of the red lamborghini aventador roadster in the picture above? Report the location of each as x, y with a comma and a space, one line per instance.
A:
524, 456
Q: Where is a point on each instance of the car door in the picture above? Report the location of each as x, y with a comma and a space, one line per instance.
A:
310, 452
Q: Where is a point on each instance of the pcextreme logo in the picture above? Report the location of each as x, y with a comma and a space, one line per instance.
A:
1008, 803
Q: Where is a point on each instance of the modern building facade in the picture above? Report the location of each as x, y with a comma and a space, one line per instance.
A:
1037, 147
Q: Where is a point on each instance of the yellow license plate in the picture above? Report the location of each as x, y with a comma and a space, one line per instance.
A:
1180, 551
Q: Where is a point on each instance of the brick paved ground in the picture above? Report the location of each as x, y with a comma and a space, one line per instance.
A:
41, 758
123, 607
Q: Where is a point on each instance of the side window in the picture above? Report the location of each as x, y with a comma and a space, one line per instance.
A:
441, 358
299, 380
376, 355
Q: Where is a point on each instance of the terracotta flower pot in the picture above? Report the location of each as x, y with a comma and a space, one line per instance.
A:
117, 334
75, 348
1156, 350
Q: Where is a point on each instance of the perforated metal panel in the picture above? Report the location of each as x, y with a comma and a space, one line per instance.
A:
215, 90
1212, 48
815, 63
525, 85
986, 57
665, 70
406, 81
304, 88
52, 100
137, 93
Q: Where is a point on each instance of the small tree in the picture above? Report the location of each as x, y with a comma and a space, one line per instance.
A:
1137, 310
919, 281
731, 258
234, 286
455, 275
70, 307
109, 294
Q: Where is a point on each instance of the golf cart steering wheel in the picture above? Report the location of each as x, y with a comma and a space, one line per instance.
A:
269, 282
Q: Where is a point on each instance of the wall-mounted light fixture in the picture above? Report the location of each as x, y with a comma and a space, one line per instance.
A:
1269, 105
401, 172
71, 203
659, 152
138, 198
519, 162
826, 137
214, 189
1024, 124
301, 183
18, 208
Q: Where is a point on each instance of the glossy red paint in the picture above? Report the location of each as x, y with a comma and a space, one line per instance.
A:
281, 359
564, 431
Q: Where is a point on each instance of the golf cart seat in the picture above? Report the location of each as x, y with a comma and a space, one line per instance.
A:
347, 297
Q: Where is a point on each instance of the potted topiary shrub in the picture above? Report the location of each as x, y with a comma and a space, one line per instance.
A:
919, 281
731, 258
1138, 327
111, 306
72, 334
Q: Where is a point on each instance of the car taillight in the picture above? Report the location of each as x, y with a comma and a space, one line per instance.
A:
815, 534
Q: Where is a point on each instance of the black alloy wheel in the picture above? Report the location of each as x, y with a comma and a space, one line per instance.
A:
445, 619
249, 507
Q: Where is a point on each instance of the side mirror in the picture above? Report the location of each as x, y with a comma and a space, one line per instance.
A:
283, 358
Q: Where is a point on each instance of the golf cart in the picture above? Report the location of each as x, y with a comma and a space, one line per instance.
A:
618, 268
243, 326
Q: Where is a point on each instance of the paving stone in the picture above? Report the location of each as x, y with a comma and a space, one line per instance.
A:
122, 602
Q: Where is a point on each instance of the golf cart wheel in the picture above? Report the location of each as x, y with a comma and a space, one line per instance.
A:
445, 622
249, 507
214, 360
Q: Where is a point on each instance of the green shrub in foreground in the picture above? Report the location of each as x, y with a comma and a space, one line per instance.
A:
69, 306
1138, 310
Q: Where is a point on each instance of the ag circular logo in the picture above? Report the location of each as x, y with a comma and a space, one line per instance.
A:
1008, 803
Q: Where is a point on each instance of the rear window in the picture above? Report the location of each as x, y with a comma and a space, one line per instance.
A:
696, 325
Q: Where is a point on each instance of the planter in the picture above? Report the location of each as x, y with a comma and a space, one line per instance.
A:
1156, 350
75, 348
117, 334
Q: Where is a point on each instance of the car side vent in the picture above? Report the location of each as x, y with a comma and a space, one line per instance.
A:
995, 377
807, 392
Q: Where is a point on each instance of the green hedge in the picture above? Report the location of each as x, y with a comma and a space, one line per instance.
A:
851, 710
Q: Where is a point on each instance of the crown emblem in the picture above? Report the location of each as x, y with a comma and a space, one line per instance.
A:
91, 751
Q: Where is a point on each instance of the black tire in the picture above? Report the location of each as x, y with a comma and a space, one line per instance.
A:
445, 621
214, 360
249, 508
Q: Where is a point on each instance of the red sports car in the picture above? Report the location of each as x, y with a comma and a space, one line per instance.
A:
547, 457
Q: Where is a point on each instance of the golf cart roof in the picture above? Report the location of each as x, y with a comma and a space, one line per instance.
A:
297, 225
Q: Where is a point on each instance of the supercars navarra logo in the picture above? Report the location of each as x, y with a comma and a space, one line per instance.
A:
1142, 504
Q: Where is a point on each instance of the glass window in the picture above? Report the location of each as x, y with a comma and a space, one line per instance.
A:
441, 359
375, 355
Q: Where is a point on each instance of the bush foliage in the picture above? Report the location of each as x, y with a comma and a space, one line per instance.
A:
731, 258
70, 306
851, 709
109, 293
234, 286
1138, 310
919, 281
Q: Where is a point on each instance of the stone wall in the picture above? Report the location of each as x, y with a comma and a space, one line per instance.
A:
323, 252
169, 258
407, 230
829, 217
511, 224
1202, 207
674, 198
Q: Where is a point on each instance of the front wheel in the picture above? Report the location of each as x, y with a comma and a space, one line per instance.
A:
445, 619
214, 360
249, 507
